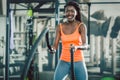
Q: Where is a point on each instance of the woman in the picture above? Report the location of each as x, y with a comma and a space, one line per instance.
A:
70, 32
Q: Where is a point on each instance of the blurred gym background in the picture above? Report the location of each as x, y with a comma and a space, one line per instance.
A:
23, 49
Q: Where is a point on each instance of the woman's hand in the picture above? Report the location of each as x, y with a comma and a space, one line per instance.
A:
82, 47
52, 51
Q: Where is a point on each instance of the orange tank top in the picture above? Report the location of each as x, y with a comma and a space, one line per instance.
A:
67, 40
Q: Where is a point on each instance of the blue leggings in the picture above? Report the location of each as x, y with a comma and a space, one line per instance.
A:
63, 69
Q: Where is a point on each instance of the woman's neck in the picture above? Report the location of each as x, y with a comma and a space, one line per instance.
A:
71, 22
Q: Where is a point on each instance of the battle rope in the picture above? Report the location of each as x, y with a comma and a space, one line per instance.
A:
47, 40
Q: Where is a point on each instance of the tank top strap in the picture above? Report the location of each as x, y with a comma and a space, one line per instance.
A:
80, 24
75, 30
60, 26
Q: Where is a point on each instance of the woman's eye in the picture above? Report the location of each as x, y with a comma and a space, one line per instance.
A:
72, 10
69, 11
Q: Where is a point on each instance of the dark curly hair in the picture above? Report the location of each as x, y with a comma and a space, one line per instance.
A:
76, 6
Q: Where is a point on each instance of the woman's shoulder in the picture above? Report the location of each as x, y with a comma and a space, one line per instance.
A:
60, 25
81, 24
82, 27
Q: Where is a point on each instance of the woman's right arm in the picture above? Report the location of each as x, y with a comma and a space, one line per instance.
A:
57, 37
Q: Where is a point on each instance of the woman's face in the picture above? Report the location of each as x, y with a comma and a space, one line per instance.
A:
70, 13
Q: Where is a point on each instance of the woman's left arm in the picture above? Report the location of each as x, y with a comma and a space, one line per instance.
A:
83, 33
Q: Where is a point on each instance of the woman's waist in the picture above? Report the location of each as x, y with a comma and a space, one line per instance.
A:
67, 51
78, 56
